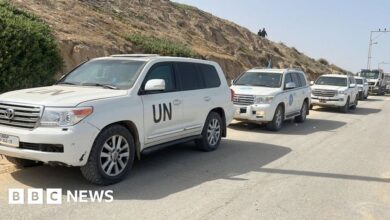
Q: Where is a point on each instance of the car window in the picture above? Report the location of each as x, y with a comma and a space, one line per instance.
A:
302, 79
210, 75
261, 79
190, 78
287, 79
296, 79
162, 71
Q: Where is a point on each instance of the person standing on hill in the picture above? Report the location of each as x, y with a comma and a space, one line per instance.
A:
260, 33
264, 33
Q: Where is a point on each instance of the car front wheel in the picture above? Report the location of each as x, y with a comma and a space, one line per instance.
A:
111, 157
277, 121
211, 134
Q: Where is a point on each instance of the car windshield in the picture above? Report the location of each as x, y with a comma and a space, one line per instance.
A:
112, 74
370, 75
261, 79
332, 81
359, 81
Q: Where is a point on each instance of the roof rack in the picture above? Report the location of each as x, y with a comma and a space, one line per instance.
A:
135, 55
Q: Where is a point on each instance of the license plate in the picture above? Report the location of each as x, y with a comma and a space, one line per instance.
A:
322, 100
8, 140
242, 110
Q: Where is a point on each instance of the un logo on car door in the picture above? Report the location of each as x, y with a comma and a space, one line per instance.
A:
164, 112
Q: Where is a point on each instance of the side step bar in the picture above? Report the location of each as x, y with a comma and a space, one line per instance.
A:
159, 147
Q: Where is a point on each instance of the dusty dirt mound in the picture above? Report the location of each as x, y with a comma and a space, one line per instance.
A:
92, 28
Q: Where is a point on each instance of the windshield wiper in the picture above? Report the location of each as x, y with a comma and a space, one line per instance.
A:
66, 83
100, 85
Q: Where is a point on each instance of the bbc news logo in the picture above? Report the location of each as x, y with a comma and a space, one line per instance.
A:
54, 196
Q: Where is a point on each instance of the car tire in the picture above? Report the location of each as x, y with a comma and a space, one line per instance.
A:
211, 133
22, 163
111, 157
354, 106
302, 117
345, 108
277, 122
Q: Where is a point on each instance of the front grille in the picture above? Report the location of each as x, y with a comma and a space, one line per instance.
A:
243, 99
371, 83
324, 92
51, 148
21, 116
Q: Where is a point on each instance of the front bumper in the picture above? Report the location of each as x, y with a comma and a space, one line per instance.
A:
254, 113
76, 141
337, 101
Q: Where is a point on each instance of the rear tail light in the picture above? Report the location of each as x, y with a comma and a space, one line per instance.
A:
231, 95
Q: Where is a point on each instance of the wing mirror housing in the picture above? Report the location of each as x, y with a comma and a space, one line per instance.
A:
155, 85
290, 85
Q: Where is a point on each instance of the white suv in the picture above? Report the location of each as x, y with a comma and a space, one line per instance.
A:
335, 91
271, 96
110, 110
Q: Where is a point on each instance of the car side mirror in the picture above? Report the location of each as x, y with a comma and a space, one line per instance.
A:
352, 85
155, 85
290, 85
232, 82
311, 83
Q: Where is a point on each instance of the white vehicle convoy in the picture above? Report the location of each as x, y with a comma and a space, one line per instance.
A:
271, 96
110, 110
335, 91
362, 85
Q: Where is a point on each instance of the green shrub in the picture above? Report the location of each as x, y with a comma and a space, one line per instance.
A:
161, 46
184, 6
28, 52
323, 61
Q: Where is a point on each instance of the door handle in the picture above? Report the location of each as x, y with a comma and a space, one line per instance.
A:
207, 98
176, 102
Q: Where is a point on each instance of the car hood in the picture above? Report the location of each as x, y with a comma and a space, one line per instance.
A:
255, 90
328, 87
59, 96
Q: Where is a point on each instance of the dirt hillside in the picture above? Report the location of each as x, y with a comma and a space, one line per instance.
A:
92, 28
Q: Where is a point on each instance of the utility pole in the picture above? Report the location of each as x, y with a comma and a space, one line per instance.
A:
372, 43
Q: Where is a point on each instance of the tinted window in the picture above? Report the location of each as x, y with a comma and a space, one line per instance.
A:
287, 79
302, 79
210, 75
162, 71
296, 79
189, 77
260, 79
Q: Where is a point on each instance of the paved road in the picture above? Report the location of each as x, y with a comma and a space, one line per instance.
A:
334, 166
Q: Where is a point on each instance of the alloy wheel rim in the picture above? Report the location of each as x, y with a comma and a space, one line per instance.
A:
115, 155
279, 118
213, 132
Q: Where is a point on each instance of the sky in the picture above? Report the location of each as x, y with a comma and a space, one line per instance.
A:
337, 30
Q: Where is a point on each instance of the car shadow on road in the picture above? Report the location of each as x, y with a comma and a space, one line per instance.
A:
357, 111
291, 128
166, 172
323, 175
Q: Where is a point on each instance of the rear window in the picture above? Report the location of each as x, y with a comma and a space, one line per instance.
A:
189, 77
210, 75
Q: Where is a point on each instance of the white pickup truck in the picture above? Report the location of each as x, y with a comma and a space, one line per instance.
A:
110, 110
333, 90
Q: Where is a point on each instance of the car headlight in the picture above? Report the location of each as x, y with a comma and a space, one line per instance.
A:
63, 117
263, 99
342, 92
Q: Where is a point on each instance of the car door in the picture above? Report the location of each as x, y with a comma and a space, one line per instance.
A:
289, 95
297, 97
163, 111
197, 100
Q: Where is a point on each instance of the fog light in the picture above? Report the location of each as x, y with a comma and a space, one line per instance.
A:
260, 113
